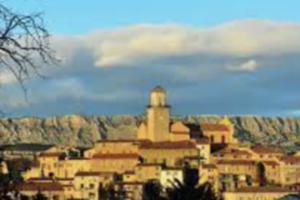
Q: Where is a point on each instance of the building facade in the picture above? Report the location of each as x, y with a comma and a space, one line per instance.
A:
162, 150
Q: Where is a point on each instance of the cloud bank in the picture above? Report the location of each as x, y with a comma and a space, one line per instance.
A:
242, 67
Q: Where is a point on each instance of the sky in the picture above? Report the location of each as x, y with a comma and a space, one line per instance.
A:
217, 57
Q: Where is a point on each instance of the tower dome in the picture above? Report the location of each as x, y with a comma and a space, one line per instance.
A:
159, 89
158, 97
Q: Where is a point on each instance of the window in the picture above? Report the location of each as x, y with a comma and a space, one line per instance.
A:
55, 197
91, 195
212, 139
92, 186
81, 185
223, 139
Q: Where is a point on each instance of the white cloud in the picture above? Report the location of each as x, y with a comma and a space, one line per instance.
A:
6, 77
248, 66
236, 39
116, 67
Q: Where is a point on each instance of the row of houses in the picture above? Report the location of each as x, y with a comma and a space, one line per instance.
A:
161, 152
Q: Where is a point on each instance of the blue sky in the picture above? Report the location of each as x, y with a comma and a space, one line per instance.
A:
79, 17
213, 57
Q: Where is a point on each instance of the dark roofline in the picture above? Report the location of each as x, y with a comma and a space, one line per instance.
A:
34, 147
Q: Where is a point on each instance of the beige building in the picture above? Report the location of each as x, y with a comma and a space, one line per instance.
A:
156, 128
221, 133
208, 173
162, 148
170, 176
257, 193
290, 170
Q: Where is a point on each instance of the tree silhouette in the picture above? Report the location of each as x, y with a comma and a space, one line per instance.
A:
152, 190
23, 41
40, 196
184, 191
189, 189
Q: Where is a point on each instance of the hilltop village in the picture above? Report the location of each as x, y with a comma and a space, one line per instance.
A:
161, 152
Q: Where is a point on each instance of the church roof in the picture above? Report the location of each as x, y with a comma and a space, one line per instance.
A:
179, 128
168, 145
206, 127
213, 127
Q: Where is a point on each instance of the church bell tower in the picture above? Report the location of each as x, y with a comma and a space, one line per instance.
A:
158, 116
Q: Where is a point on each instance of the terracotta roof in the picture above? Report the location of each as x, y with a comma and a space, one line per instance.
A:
270, 162
236, 162
172, 169
42, 186
213, 127
291, 159
168, 145
129, 172
116, 156
203, 140
79, 159
193, 158
149, 165
51, 154
265, 150
37, 179
209, 166
180, 133
234, 151
263, 190
89, 173
179, 128
67, 185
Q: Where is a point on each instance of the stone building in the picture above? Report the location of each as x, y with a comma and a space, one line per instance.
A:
161, 151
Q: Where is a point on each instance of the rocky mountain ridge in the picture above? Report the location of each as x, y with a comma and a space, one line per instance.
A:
84, 131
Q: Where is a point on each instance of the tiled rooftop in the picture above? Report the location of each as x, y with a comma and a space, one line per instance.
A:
42, 186
168, 145
116, 156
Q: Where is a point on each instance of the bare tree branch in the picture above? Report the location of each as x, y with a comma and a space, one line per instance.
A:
24, 44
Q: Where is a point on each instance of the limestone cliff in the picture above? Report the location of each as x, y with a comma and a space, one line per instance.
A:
83, 131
